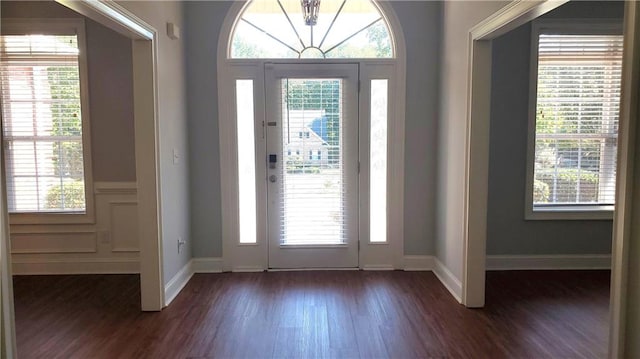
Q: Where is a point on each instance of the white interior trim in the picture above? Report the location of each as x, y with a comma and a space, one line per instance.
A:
548, 262
207, 265
248, 269
145, 53
113, 16
147, 173
215, 265
178, 282
448, 279
396, 135
413, 263
625, 223
254, 257
477, 145
68, 265
514, 14
115, 188
375, 267
184, 275
8, 346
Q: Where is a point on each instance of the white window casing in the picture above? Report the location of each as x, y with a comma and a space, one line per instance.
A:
44, 91
573, 116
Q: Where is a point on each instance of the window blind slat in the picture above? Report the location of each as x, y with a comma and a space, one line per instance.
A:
42, 124
313, 194
578, 95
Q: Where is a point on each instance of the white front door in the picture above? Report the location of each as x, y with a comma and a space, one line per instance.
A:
312, 165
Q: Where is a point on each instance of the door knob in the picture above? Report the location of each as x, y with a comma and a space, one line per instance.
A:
273, 178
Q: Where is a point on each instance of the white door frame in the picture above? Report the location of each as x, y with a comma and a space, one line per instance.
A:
626, 225
302, 256
7, 318
477, 143
253, 257
477, 157
145, 94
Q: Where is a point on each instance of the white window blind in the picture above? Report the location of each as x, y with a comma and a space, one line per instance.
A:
313, 199
578, 95
42, 123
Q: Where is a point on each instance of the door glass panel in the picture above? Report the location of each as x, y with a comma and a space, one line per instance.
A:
312, 201
378, 191
246, 161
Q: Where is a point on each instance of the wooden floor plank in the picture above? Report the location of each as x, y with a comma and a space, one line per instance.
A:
318, 314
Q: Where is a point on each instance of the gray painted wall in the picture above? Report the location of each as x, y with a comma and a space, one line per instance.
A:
203, 21
507, 231
172, 130
111, 96
422, 29
110, 90
422, 26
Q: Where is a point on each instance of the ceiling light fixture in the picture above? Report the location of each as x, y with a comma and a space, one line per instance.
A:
310, 9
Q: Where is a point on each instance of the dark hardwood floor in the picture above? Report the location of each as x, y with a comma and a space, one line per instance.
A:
339, 314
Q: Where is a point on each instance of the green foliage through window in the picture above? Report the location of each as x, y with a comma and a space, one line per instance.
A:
578, 94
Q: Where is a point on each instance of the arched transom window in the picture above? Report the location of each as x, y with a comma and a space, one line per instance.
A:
311, 29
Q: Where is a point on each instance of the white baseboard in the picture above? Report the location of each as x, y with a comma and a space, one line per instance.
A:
444, 275
180, 279
548, 262
75, 266
450, 281
247, 269
214, 265
375, 267
207, 265
177, 283
419, 263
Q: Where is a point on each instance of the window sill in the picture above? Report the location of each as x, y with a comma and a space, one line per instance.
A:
564, 213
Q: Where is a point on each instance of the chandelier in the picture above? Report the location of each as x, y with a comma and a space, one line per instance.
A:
310, 9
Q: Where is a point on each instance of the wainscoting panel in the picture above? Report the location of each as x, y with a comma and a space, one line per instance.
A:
110, 245
58, 242
124, 226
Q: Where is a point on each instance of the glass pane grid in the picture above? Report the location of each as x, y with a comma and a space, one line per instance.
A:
344, 29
